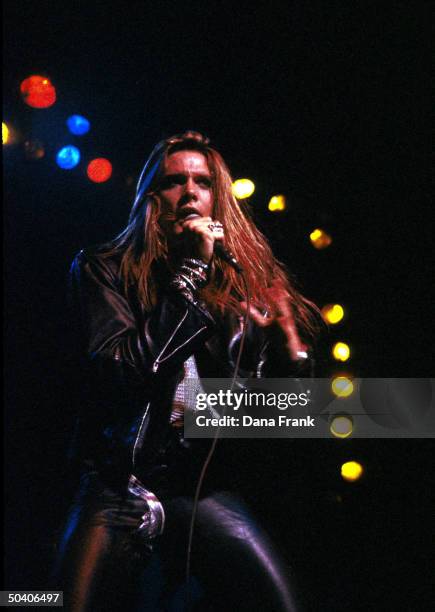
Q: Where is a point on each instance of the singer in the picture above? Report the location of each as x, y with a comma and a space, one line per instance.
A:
162, 302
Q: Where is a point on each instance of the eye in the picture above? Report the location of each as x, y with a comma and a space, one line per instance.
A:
170, 181
204, 182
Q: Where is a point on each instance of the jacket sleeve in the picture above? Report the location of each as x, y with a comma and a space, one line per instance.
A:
112, 339
275, 362
266, 355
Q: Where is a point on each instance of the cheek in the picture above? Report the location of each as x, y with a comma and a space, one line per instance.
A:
168, 202
166, 214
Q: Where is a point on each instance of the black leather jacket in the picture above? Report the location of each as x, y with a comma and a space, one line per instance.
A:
132, 361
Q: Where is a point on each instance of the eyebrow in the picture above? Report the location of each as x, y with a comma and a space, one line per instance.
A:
184, 174
181, 178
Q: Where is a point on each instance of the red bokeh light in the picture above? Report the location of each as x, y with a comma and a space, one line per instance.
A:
99, 170
38, 91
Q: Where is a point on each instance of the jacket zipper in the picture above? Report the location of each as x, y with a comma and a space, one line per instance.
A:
161, 359
154, 368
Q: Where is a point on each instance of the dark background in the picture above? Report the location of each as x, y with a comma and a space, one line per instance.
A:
326, 102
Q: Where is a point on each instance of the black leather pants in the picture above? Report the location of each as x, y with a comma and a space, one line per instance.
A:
105, 564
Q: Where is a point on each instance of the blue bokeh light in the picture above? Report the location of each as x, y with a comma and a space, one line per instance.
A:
78, 125
68, 157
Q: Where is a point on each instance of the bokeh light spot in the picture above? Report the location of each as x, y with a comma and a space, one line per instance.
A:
5, 133
34, 149
351, 471
341, 351
333, 313
38, 92
68, 157
99, 170
277, 203
320, 239
78, 125
342, 386
341, 426
243, 188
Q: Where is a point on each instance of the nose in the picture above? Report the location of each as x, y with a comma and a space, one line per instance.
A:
190, 188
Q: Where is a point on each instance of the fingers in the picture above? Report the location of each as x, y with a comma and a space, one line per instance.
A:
217, 229
195, 224
280, 318
201, 226
199, 234
294, 344
256, 315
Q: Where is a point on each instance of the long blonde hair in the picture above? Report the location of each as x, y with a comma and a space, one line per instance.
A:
143, 242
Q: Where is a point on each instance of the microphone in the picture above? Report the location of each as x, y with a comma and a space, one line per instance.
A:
220, 251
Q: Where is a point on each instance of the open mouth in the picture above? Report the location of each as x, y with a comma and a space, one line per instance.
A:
185, 211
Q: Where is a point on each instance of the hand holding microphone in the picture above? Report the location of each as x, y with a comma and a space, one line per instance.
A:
203, 238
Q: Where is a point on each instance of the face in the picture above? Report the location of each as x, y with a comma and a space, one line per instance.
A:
186, 185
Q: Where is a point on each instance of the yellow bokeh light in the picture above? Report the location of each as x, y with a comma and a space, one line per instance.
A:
5, 133
341, 426
243, 188
277, 203
320, 239
332, 313
342, 386
341, 351
351, 470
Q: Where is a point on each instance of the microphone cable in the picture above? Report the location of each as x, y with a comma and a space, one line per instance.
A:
214, 443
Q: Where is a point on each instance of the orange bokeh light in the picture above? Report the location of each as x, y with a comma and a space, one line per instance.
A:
320, 239
99, 170
38, 91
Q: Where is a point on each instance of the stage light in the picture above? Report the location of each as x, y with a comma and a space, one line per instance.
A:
68, 157
34, 149
5, 133
351, 471
341, 426
342, 386
332, 313
341, 351
99, 170
320, 239
277, 203
38, 92
243, 188
78, 125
